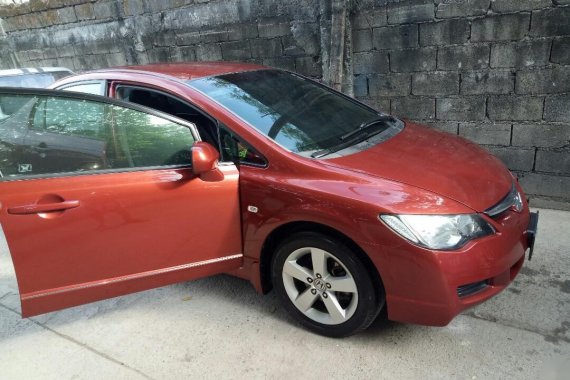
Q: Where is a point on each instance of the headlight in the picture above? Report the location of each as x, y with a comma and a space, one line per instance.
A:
444, 232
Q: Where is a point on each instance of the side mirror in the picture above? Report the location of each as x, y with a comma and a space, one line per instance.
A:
204, 158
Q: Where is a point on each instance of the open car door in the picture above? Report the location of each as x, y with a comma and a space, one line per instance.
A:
98, 198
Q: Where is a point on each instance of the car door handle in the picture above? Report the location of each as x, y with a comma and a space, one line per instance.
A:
42, 207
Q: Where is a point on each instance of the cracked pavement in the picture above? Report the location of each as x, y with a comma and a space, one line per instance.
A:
219, 327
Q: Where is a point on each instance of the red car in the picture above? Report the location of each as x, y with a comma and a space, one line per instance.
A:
187, 170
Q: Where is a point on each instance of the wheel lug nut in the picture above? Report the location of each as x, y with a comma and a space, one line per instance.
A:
309, 280
325, 295
328, 285
314, 291
318, 275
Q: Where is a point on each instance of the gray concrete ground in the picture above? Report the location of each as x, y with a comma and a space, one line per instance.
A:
219, 327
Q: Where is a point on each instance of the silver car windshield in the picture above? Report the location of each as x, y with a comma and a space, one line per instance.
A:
301, 115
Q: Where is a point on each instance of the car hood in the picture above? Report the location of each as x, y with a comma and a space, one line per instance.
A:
436, 161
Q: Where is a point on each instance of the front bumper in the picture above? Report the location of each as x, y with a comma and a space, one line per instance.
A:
432, 287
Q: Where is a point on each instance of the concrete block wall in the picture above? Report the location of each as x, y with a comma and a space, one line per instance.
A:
87, 34
496, 72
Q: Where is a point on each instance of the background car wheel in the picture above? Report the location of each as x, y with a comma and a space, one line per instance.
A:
324, 285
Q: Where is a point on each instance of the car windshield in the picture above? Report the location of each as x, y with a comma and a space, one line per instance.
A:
32, 80
301, 115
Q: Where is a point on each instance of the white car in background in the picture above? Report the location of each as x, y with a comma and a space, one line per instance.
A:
32, 77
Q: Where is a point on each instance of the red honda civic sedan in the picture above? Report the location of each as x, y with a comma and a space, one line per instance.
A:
139, 177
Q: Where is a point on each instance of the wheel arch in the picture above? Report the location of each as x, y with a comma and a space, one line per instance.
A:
280, 233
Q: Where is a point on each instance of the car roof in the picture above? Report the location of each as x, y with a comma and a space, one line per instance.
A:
33, 70
189, 70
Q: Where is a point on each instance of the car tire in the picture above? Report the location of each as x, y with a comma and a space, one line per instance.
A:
337, 299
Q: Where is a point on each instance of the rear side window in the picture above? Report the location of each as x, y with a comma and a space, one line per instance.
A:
93, 88
51, 135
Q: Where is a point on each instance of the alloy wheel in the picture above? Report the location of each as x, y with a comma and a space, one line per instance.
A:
320, 286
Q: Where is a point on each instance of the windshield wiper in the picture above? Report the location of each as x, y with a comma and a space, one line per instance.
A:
346, 139
367, 124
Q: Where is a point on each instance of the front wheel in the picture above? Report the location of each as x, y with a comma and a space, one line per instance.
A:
324, 285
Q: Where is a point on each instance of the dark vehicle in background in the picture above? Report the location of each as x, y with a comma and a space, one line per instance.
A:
40, 77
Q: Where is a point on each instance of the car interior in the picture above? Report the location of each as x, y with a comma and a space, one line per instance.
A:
231, 149
170, 105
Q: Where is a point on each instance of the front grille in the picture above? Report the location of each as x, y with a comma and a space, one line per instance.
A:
512, 199
470, 289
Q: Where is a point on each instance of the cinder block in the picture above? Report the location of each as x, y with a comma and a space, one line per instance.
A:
561, 51
245, 31
507, 6
503, 27
389, 85
183, 53
395, 37
370, 63
551, 22
557, 108
106, 9
68, 15
362, 40
521, 54
435, 83
188, 38
308, 66
449, 32
486, 133
461, 108
378, 103
133, 7
553, 162
544, 81
447, 9
487, 82
472, 57
409, 11
214, 34
541, 135
209, 52
306, 37
510, 107
286, 63
415, 108
370, 18
116, 59
272, 28
84, 11
420, 59
514, 158
360, 84
236, 50
545, 184
262, 48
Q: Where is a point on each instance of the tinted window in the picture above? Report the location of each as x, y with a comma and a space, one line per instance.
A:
299, 114
94, 88
236, 150
60, 135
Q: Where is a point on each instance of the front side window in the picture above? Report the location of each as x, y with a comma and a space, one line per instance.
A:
300, 115
52, 135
